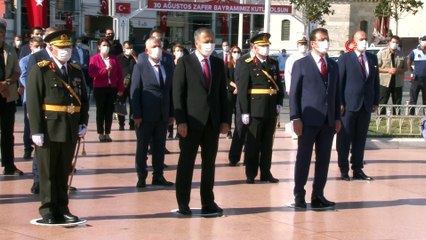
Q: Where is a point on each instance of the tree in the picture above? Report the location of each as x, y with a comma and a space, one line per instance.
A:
313, 10
396, 8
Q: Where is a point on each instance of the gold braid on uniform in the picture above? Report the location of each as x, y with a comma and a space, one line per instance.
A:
43, 63
76, 66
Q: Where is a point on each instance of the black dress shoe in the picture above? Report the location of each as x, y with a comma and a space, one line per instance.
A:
184, 210
121, 128
299, 202
161, 181
250, 180
321, 202
27, 155
345, 176
13, 172
165, 165
270, 179
69, 218
35, 189
360, 175
50, 219
211, 209
166, 151
233, 164
141, 183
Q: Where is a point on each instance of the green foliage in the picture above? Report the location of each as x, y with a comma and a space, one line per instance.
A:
394, 8
314, 10
400, 127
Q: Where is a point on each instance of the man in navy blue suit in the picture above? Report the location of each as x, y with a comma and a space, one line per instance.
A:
314, 109
360, 92
151, 89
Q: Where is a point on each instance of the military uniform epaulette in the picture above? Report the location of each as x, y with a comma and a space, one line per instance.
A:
249, 59
43, 63
76, 66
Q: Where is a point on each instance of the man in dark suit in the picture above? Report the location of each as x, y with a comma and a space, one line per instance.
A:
314, 110
58, 114
81, 56
199, 98
260, 95
152, 111
360, 93
25, 49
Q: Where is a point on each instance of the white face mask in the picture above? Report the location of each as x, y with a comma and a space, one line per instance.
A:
302, 49
64, 54
156, 53
423, 44
361, 45
178, 54
225, 48
207, 49
127, 52
105, 49
393, 45
235, 56
322, 46
18, 43
263, 50
36, 50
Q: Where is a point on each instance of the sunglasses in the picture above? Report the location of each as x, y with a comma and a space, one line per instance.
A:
236, 52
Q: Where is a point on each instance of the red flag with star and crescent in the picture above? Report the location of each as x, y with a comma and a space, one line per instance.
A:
36, 10
104, 7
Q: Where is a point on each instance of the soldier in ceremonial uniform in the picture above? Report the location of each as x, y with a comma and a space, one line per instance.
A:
58, 114
260, 94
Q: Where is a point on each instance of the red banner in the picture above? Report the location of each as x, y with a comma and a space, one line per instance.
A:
104, 7
224, 23
123, 7
68, 23
225, 6
163, 21
36, 10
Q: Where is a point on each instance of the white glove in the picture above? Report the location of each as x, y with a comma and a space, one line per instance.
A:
279, 107
38, 139
245, 118
82, 130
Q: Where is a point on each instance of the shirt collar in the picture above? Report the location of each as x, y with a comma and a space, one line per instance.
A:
316, 57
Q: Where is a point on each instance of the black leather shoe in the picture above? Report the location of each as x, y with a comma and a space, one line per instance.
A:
229, 135
299, 202
27, 155
321, 202
166, 151
270, 179
35, 189
165, 165
141, 183
69, 218
233, 164
345, 176
360, 175
121, 128
161, 181
184, 210
50, 219
13, 172
250, 180
212, 209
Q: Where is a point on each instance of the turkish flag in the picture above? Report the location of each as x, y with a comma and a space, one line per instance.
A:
36, 10
123, 7
104, 7
224, 23
68, 23
163, 21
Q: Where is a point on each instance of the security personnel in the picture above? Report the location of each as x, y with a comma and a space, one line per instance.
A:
417, 65
260, 94
58, 114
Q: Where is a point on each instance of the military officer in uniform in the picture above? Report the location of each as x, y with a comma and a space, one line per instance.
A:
58, 115
261, 94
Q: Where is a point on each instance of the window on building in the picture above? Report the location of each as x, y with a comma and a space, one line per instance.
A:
285, 30
363, 25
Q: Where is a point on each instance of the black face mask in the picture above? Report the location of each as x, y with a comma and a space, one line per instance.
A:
110, 37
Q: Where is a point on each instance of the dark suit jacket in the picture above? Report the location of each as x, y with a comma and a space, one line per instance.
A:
311, 101
76, 57
149, 101
192, 99
356, 92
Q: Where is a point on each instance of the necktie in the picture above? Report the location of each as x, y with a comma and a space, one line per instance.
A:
323, 70
206, 72
361, 62
64, 73
226, 58
160, 75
